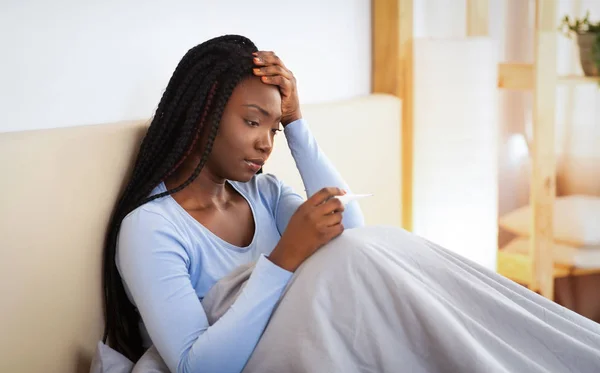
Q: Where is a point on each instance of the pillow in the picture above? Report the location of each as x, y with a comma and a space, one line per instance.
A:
576, 220
151, 362
586, 257
107, 360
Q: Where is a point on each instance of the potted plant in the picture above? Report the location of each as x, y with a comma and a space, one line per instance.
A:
588, 41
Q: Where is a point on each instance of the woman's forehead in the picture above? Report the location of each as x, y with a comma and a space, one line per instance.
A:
253, 91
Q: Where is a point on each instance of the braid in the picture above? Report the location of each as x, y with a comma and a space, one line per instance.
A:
193, 102
197, 134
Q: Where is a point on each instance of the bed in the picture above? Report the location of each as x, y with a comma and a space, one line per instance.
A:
59, 186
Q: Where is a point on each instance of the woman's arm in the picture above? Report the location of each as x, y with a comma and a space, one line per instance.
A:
153, 263
316, 169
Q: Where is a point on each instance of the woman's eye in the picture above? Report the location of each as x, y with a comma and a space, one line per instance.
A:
252, 123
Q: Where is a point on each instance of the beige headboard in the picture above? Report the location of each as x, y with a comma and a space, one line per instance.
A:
57, 191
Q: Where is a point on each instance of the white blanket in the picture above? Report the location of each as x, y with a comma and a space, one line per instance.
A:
379, 299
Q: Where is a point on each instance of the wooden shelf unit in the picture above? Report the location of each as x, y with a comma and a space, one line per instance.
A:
519, 76
537, 269
392, 72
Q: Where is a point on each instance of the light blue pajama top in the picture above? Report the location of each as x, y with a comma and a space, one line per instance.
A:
168, 262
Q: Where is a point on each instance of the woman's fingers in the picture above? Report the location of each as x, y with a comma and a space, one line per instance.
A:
332, 220
272, 70
331, 206
265, 58
324, 195
284, 84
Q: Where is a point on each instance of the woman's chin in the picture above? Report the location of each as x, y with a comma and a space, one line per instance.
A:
242, 177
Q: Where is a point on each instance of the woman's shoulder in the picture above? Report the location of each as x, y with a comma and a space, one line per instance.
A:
157, 210
147, 233
147, 217
153, 218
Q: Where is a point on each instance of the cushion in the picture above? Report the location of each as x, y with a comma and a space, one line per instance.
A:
151, 362
576, 220
585, 257
107, 360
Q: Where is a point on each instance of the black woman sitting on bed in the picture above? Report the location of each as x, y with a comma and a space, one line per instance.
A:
195, 209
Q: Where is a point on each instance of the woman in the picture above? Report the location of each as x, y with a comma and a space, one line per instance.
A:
195, 209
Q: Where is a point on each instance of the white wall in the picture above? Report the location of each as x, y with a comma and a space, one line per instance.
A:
455, 141
455, 177
440, 19
73, 62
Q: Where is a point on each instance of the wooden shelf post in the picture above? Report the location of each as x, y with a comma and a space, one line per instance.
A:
478, 17
543, 181
392, 59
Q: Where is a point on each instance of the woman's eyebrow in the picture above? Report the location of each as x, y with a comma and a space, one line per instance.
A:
263, 111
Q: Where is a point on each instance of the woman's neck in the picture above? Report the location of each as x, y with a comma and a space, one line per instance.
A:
206, 190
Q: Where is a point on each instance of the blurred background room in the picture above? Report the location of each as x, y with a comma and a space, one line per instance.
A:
492, 151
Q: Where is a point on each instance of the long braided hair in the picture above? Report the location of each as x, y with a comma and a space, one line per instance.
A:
193, 102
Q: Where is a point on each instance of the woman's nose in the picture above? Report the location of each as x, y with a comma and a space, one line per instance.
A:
265, 142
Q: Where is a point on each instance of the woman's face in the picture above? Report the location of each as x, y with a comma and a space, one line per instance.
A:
248, 125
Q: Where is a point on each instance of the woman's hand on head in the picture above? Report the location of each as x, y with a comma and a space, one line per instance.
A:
271, 70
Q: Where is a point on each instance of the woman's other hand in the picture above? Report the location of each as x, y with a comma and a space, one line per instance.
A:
271, 70
316, 222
